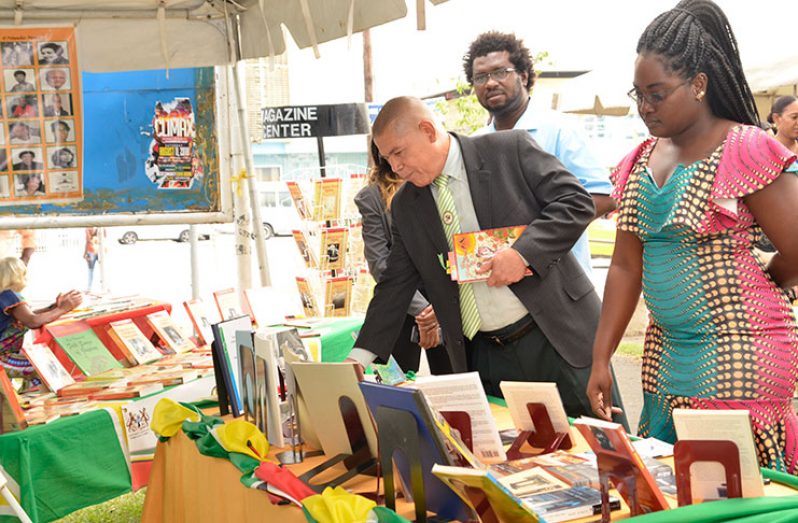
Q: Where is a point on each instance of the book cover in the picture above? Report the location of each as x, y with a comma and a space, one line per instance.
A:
327, 199
518, 394
133, 342
362, 291
337, 294
12, 418
390, 373
463, 392
228, 304
169, 332
88, 352
357, 254
505, 505
300, 203
439, 498
305, 250
307, 297
49, 369
568, 504
611, 445
334, 244
246, 363
708, 479
352, 185
577, 475
472, 249
530, 482
225, 344
201, 319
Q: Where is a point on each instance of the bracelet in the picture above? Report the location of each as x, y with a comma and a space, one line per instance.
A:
791, 293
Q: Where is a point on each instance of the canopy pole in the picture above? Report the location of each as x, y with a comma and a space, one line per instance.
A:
260, 241
195, 280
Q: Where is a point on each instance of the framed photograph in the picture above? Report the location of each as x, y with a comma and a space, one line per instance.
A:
57, 104
61, 157
63, 181
22, 106
22, 80
24, 132
5, 186
15, 54
59, 131
26, 159
30, 185
55, 79
53, 53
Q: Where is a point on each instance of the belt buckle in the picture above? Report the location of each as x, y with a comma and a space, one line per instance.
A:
497, 340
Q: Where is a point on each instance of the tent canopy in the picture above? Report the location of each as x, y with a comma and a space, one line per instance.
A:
128, 35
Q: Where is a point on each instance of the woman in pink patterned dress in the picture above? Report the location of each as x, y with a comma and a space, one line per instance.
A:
692, 199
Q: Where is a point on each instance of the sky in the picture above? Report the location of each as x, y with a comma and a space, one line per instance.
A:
577, 34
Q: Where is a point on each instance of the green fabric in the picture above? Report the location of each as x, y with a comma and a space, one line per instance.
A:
386, 515
337, 339
45, 461
741, 510
781, 477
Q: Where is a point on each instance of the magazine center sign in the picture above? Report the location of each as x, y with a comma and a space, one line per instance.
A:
314, 121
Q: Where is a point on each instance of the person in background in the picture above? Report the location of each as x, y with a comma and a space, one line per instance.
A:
16, 318
8, 243
722, 333
91, 252
500, 69
22, 85
374, 203
784, 117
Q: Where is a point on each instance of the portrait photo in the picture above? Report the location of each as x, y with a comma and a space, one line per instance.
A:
59, 131
61, 157
19, 80
29, 185
24, 132
15, 54
5, 186
23, 106
27, 159
55, 79
53, 53
57, 104
62, 182
3, 160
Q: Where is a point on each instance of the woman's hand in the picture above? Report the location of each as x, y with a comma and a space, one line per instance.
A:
599, 392
70, 300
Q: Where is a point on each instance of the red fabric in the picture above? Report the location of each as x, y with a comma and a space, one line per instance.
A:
283, 479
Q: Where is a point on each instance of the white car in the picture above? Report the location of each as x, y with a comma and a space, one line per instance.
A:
180, 233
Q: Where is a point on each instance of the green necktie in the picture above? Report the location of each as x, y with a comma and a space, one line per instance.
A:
451, 225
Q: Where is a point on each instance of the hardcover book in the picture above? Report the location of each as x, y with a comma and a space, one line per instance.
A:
170, 334
133, 343
473, 249
612, 446
47, 366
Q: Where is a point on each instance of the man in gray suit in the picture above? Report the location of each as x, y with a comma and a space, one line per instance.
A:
527, 328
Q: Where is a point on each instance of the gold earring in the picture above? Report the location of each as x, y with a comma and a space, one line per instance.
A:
700, 96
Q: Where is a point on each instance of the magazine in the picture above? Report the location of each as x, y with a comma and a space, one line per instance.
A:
473, 249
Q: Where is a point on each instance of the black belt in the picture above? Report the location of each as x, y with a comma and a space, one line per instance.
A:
509, 334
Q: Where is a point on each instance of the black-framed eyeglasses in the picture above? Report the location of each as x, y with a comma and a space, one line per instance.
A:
654, 99
498, 75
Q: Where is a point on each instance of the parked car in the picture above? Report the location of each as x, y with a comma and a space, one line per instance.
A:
277, 210
179, 233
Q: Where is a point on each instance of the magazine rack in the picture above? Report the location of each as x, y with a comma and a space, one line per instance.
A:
544, 436
359, 461
687, 452
622, 473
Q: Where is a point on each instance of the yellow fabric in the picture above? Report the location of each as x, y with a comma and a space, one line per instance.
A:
338, 506
168, 417
242, 437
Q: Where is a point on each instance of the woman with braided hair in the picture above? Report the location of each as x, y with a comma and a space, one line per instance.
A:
691, 201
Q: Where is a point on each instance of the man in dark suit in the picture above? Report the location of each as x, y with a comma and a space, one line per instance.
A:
527, 328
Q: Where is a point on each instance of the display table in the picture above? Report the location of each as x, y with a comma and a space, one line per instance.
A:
186, 486
66, 465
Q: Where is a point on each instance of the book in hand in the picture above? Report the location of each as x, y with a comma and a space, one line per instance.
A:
473, 249
568, 504
170, 334
465, 481
614, 453
708, 479
133, 343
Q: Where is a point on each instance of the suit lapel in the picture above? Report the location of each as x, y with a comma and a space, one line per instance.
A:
478, 182
425, 215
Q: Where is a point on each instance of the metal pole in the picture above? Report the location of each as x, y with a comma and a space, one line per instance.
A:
195, 284
260, 240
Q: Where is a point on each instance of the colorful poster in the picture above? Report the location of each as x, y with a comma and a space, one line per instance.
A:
41, 137
173, 161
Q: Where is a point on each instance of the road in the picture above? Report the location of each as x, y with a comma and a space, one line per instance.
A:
160, 269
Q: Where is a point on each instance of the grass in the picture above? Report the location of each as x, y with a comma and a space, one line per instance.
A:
633, 348
124, 509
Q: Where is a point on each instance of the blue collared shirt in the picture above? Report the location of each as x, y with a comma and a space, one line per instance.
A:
558, 135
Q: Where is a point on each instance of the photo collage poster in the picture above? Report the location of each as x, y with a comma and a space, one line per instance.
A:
41, 150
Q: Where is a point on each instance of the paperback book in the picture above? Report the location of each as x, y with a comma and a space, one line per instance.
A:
133, 343
169, 332
337, 295
47, 366
334, 245
568, 504
327, 199
81, 351
473, 249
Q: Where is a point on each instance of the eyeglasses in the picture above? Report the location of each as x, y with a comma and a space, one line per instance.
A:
653, 99
498, 75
